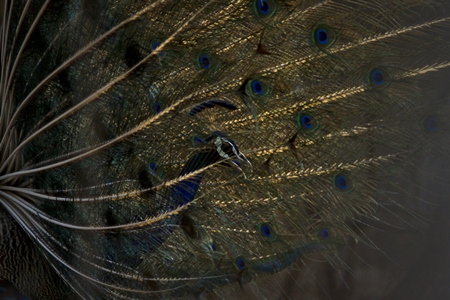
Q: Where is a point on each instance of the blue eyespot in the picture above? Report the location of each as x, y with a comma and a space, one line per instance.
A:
153, 167
155, 45
343, 182
240, 263
377, 77
198, 141
156, 107
204, 61
432, 124
323, 37
213, 247
267, 232
307, 122
264, 8
325, 233
257, 87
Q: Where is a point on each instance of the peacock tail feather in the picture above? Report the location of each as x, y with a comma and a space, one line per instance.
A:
166, 149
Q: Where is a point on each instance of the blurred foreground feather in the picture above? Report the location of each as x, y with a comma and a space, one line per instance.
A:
168, 149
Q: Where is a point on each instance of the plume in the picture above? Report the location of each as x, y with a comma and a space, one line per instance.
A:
182, 149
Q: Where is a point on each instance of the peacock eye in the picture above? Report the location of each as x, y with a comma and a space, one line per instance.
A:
267, 232
197, 141
307, 122
324, 233
378, 77
323, 37
153, 167
431, 124
156, 107
342, 182
155, 45
240, 263
205, 61
257, 88
264, 8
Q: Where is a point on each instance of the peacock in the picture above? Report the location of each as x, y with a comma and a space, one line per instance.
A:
204, 149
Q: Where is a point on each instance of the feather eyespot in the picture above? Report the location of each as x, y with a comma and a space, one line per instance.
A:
307, 122
379, 77
323, 37
342, 182
205, 61
324, 233
267, 232
240, 263
431, 124
257, 88
264, 8
155, 45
